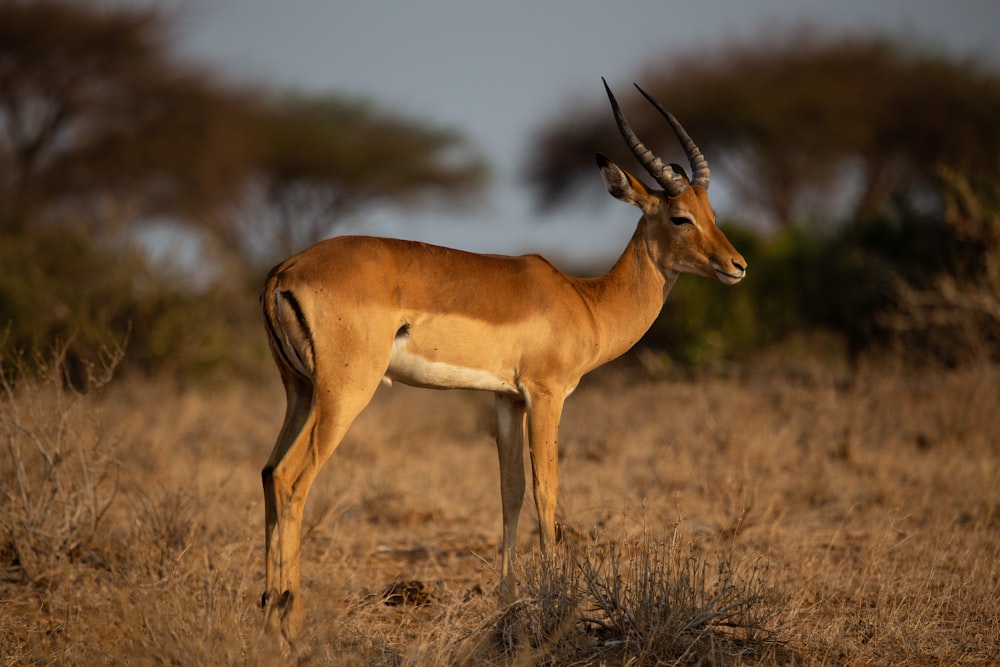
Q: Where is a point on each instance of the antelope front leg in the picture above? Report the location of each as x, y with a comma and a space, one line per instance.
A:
544, 411
510, 447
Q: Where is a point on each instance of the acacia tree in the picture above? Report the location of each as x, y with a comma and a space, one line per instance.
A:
101, 129
326, 158
807, 126
95, 116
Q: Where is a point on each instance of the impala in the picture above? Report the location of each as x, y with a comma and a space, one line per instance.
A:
349, 312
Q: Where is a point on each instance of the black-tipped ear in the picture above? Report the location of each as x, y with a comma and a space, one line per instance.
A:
680, 170
626, 187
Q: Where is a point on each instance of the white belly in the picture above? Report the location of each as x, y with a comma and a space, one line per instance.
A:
413, 369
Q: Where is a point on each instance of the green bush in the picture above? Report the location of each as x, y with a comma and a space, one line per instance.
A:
57, 285
846, 281
60, 287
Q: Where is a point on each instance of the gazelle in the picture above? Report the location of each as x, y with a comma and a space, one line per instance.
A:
349, 312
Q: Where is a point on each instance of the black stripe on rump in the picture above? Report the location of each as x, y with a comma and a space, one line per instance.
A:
303, 325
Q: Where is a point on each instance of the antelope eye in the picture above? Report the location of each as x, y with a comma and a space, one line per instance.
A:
679, 220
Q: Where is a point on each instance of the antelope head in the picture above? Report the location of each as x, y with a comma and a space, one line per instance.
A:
681, 233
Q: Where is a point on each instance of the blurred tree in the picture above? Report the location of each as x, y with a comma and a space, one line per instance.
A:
806, 127
325, 158
98, 124
101, 130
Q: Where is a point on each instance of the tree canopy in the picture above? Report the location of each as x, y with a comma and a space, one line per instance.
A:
804, 126
95, 117
325, 158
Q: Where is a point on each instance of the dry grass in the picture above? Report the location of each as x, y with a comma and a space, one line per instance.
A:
818, 517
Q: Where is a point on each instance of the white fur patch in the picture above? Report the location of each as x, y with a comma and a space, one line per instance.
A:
412, 369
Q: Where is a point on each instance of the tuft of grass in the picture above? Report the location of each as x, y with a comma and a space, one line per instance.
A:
664, 601
637, 601
167, 522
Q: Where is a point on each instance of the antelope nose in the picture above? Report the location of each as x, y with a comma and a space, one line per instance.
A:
740, 265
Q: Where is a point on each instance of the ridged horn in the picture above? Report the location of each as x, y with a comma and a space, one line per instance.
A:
669, 180
699, 165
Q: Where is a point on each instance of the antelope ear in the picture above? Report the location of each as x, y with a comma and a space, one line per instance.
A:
679, 172
626, 187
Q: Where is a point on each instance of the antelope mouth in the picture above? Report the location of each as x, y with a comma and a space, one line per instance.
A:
730, 278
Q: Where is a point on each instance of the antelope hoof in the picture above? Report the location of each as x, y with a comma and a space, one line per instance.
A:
276, 608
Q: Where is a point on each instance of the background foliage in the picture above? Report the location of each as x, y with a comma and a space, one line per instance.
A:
104, 135
851, 159
867, 171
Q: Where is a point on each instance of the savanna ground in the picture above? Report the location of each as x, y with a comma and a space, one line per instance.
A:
768, 515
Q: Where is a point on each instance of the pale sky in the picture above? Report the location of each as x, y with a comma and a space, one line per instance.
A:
497, 70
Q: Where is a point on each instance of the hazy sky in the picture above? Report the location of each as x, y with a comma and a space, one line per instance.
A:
497, 70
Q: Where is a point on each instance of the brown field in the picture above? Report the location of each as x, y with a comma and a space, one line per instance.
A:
762, 516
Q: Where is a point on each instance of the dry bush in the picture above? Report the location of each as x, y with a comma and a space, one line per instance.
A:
57, 474
96, 566
640, 601
543, 626
664, 602
58, 479
622, 600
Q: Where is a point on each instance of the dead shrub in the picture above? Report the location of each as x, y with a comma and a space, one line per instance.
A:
664, 601
636, 601
166, 526
58, 473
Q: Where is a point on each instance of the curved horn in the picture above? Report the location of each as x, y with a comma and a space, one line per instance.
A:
699, 165
670, 180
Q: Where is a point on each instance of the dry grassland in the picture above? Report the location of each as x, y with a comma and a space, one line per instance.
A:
815, 517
